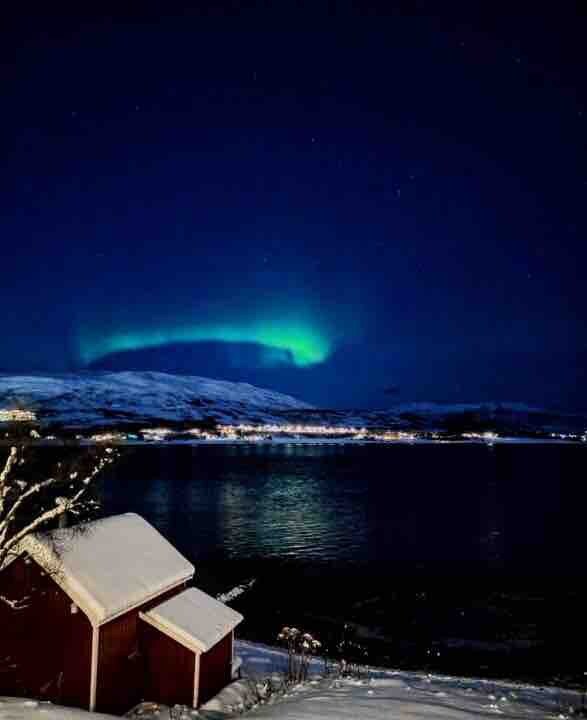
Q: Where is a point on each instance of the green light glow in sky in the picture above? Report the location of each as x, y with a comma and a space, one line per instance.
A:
304, 345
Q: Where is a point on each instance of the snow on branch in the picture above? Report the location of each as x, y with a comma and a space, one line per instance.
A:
5, 475
37, 494
15, 604
300, 647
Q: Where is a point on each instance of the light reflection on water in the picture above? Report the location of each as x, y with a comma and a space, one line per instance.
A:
289, 515
435, 509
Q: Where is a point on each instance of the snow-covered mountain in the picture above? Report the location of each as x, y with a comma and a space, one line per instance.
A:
114, 399
90, 399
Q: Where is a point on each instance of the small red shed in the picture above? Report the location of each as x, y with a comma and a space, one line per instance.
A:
111, 620
196, 632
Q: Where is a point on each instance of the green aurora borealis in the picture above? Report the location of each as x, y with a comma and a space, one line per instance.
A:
299, 345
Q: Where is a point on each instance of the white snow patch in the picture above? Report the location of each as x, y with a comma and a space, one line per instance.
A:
403, 695
20, 709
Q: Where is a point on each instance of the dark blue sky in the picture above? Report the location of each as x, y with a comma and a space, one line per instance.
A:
323, 198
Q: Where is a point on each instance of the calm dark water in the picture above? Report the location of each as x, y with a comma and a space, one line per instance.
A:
453, 557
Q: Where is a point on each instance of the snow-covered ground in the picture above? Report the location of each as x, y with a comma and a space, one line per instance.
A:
19, 709
413, 697
379, 694
400, 694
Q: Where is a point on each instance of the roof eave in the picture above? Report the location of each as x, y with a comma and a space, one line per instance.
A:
79, 595
145, 600
188, 641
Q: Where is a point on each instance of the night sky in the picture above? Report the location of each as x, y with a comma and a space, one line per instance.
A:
356, 203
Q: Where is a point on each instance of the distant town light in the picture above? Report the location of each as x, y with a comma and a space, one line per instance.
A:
14, 415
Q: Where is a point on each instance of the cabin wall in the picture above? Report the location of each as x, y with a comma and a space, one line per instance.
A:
45, 649
119, 656
215, 669
169, 667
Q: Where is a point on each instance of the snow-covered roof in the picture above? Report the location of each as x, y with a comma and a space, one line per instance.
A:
193, 619
109, 566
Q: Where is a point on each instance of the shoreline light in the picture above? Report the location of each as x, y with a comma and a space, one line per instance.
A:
15, 415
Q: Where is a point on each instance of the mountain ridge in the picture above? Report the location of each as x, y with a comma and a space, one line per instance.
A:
91, 398
103, 399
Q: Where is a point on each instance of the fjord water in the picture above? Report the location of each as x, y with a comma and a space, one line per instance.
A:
454, 557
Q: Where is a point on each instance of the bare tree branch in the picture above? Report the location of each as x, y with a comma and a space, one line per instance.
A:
15, 604
44, 518
5, 474
39, 487
23, 504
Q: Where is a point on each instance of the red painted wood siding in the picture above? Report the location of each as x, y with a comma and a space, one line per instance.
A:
169, 667
49, 647
215, 669
119, 657
45, 651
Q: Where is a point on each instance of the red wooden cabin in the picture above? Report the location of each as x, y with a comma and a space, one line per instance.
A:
111, 621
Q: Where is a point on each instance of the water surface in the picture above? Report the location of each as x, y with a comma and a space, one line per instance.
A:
439, 554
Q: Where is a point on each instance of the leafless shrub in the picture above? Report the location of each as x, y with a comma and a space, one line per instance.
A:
37, 495
300, 648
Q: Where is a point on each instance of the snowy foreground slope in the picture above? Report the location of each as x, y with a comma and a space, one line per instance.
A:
384, 694
102, 398
409, 697
394, 694
19, 709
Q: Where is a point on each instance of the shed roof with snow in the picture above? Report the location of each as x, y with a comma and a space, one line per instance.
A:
194, 619
111, 565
